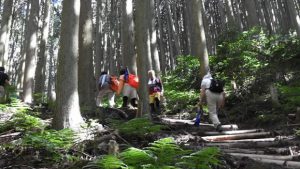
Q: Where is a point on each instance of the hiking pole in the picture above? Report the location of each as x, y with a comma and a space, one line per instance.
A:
199, 113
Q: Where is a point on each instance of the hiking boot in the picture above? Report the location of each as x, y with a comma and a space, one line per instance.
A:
219, 128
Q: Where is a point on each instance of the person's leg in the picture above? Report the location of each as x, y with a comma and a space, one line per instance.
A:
151, 102
133, 102
212, 100
126, 92
133, 96
111, 99
99, 98
157, 102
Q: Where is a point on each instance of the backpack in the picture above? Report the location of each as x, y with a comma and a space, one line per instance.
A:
133, 81
114, 83
106, 81
2, 78
216, 86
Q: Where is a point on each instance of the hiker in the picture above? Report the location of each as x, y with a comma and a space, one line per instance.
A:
155, 89
214, 99
105, 90
4, 82
128, 88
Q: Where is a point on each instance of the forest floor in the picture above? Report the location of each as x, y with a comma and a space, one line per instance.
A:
245, 147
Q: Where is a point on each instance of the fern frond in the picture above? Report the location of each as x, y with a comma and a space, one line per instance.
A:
106, 162
136, 157
204, 159
166, 151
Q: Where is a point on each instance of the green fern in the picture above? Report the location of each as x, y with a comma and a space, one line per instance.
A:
22, 122
139, 127
106, 162
136, 157
203, 159
166, 151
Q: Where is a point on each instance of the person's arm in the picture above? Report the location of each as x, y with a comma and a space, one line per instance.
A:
203, 95
222, 103
7, 80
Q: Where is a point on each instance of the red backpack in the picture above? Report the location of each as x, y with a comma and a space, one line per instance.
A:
114, 83
133, 81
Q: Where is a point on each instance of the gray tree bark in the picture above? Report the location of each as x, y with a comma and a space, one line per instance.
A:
141, 38
31, 52
127, 36
295, 16
198, 41
252, 18
162, 50
40, 75
86, 79
153, 38
98, 39
5, 26
21, 65
67, 112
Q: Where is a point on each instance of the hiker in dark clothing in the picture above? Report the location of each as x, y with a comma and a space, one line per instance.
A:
155, 92
4, 82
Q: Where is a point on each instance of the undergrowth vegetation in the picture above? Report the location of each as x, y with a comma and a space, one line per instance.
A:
161, 154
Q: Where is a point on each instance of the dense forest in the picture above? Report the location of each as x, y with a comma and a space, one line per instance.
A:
56, 55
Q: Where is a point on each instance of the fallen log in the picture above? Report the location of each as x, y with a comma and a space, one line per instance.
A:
179, 121
215, 133
236, 136
261, 156
9, 137
248, 140
223, 145
245, 151
282, 151
285, 163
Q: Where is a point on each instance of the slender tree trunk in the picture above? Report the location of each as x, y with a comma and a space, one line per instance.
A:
67, 112
98, 39
198, 41
153, 34
252, 18
31, 52
141, 35
163, 64
5, 26
127, 37
21, 66
186, 24
40, 75
292, 5
86, 87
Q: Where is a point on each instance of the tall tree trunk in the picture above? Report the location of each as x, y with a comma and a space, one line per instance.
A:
5, 26
252, 18
40, 74
198, 41
163, 64
31, 48
141, 35
186, 24
21, 66
127, 37
86, 87
67, 112
153, 36
98, 39
295, 16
